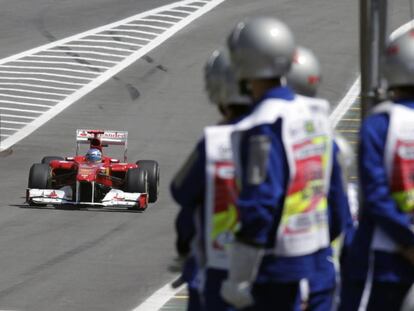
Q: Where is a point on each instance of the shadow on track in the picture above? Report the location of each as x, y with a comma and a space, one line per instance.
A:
79, 209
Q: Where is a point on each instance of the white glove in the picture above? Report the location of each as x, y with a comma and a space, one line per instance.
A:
408, 303
237, 294
244, 263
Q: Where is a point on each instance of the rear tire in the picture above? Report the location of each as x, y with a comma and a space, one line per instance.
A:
136, 180
153, 170
48, 159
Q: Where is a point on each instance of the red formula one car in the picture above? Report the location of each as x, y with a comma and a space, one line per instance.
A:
105, 183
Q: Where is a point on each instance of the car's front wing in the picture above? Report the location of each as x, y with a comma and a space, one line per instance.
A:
114, 198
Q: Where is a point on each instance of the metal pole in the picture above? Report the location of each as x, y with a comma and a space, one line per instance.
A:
382, 41
365, 41
373, 20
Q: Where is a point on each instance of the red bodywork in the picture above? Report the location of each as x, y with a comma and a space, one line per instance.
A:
108, 173
79, 181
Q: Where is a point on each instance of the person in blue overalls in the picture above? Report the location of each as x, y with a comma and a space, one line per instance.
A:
205, 187
380, 265
287, 171
317, 292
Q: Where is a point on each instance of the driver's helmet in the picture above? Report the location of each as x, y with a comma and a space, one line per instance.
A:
94, 155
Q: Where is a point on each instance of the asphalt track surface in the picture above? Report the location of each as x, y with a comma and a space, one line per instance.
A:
112, 260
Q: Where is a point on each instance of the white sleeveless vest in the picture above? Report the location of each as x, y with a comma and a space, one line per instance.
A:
307, 139
399, 164
221, 215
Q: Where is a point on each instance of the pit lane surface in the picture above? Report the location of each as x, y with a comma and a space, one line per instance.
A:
112, 260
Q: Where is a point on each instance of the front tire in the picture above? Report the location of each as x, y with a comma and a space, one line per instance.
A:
136, 180
39, 178
153, 170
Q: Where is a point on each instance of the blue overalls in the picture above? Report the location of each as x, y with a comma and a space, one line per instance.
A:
375, 278
260, 205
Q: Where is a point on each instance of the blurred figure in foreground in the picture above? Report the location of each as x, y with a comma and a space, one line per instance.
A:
380, 267
288, 174
408, 304
304, 78
205, 187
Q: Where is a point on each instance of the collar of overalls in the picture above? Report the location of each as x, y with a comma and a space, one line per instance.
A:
280, 92
406, 102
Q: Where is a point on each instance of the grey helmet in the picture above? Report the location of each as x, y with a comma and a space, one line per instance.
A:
220, 82
399, 60
305, 74
261, 48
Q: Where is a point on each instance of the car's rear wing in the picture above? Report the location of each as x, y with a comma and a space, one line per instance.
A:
106, 137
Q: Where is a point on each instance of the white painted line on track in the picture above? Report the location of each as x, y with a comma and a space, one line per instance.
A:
17, 116
180, 11
190, 6
43, 74
128, 37
50, 68
152, 19
113, 41
157, 21
31, 91
41, 80
98, 47
13, 122
159, 298
347, 101
85, 52
168, 16
146, 26
71, 57
23, 103
39, 86
30, 97
141, 16
60, 63
22, 110
132, 31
